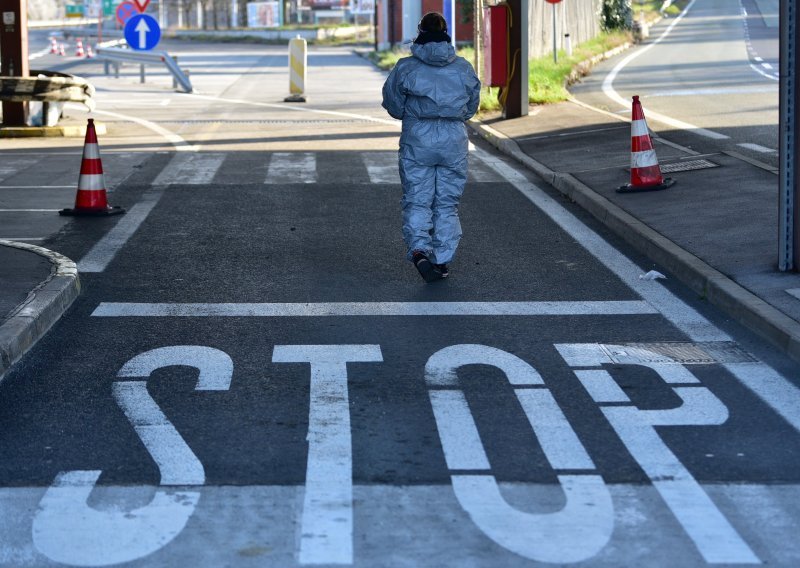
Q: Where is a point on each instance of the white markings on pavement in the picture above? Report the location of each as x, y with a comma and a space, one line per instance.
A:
382, 167
778, 393
29, 210
38, 186
292, 167
576, 532
714, 91
715, 538
426, 309
774, 76
190, 169
608, 85
757, 148
327, 525
390, 122
104, 251
180, 144
67, 529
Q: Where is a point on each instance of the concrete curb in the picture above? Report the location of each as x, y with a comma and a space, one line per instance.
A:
44, 305
48, 131
712, 285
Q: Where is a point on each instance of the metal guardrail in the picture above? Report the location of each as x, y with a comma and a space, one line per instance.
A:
147, 58
51, 90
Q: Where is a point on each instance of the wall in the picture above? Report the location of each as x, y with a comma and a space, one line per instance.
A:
579, 18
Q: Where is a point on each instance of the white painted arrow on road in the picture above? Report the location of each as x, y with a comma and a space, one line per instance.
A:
143, 30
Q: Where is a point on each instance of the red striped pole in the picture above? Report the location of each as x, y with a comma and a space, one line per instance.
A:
645, 172
91, 196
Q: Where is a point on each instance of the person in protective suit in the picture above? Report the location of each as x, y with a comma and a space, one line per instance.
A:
433, 92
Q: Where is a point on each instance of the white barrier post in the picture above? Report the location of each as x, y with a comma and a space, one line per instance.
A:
297, 70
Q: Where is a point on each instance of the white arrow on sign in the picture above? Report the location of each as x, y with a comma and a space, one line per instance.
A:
143, 30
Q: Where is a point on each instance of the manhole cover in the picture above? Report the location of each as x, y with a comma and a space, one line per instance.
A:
702, 353
687, 165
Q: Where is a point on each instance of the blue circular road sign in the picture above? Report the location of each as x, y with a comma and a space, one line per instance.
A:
142, 32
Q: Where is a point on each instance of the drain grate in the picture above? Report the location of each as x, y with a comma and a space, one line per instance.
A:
687, 165
701, 353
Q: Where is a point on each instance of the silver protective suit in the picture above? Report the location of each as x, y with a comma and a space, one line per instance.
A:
433, 92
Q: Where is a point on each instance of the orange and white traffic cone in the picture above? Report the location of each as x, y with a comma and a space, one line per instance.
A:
91, 196
61, 50
645, 173
79, 48
89, 52
53, 46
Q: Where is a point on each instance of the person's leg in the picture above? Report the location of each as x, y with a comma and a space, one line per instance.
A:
419, 183
450, 181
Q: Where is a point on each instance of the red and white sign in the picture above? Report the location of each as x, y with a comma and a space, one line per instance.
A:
142, 5
552, 1
125, 11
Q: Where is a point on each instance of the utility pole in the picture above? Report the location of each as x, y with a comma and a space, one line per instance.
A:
14, 54
789, 198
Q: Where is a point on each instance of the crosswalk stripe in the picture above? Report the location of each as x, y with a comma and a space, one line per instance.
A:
382, 167
191, 169
292, 167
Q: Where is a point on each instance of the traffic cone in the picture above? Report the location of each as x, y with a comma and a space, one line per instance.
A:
91, 196
61, 50
645, 173
79, 48
53, 46
89, 52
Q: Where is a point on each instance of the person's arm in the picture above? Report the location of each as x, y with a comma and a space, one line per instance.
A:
394, 98
473, 85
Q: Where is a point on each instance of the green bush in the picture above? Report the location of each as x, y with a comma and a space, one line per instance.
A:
616, 15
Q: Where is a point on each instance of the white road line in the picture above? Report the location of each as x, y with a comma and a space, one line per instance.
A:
608, 83
382, 167
766, 66
38, 186
190, 169
104, 251
341, 309
24, 238
292, 167
29, 210
392, 122
757, 148
714, 91
180, 144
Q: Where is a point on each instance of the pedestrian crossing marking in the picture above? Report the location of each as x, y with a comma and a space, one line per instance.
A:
382, 167
191, 169
288, 167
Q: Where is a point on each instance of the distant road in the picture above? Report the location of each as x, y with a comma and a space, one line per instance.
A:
712, 73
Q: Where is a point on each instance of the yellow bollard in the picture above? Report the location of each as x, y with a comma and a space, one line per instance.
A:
297, 70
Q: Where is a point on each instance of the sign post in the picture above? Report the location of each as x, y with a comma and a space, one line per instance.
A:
789, 141
555, 30
14, 54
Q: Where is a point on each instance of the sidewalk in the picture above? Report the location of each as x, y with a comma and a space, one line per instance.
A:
716, 229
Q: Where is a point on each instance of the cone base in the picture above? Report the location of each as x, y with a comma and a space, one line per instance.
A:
628, 188
295, 99
92, 212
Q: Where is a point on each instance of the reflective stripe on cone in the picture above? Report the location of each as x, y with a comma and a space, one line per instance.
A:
645, 172
91, 196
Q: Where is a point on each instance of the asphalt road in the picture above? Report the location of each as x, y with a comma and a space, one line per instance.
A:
254, 374
708, 80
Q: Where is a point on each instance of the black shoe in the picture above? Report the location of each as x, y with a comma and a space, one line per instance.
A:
425, 267
443, 269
